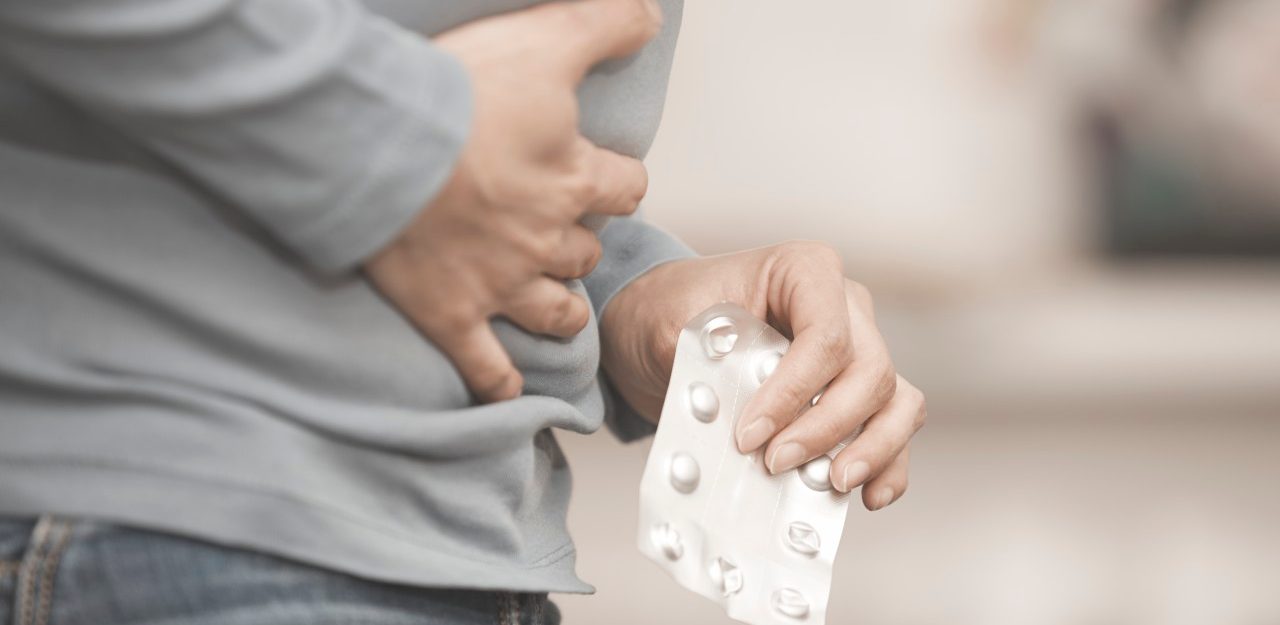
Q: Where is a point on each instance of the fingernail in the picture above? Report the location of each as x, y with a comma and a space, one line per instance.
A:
754, 435
882, 498
855, 474
786, 457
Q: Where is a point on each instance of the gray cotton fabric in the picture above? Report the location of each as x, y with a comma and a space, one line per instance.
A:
185, 342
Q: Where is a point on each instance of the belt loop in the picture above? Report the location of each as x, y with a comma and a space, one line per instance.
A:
36, 573
507, 611
538, 602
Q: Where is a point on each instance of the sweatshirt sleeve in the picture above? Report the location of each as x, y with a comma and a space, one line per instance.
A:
631, 247
327, 125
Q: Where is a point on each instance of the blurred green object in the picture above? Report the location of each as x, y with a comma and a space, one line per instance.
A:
1158, 205
1159, 201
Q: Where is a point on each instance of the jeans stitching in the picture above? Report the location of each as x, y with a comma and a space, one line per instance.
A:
506, 603
538, 603
45, 609
26, 594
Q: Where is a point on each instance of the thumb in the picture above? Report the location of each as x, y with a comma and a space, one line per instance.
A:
591, 31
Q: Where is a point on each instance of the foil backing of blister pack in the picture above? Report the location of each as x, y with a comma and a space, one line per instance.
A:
760, 545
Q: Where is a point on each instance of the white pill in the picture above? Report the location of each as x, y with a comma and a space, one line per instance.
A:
703, 402
814, 401
684, 472
667, 541
803, 539
766, 364
719, 336
816, 473
726, 576
789, 602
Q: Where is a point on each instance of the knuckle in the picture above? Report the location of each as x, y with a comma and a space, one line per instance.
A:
886, 386
582, 189
542, 255
557, 315
811, 258
559, 121
580, 320
642, 183
916, 399
453, 320
648, 18
835, 345
503, 193
544, 249
572, 314
629, 208
656, 19
575, 17
819, 252
859, 292
594, 253
912, 394
565, 308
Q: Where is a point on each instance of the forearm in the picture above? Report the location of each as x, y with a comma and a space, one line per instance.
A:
328, 126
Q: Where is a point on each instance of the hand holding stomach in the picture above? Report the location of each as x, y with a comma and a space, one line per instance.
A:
505, 230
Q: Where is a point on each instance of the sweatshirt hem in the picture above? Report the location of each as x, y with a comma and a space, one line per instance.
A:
232, 515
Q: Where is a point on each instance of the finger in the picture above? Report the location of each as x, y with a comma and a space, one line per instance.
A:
481, 360
806, 293
883, 437
617, 182
578, 254
591, 31
546, 306
858, 392
889, 486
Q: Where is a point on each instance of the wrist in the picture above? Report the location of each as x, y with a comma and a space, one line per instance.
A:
638, 330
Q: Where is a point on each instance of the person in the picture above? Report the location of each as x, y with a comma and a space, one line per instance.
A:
294, 294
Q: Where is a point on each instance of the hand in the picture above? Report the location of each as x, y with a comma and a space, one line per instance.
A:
504, 231
836, 350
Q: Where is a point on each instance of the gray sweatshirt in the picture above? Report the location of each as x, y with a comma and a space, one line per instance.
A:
185, 341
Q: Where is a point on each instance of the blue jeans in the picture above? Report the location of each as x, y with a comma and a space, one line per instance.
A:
59, 571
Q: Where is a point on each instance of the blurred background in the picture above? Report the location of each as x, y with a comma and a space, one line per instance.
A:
1069, 211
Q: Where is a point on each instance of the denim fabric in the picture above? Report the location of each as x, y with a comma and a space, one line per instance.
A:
60, 571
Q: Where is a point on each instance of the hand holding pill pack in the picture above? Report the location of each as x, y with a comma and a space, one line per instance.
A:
761, 545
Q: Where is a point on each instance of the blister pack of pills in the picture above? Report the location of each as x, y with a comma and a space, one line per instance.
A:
761, 545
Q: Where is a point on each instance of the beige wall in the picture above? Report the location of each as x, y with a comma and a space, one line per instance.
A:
879, 126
